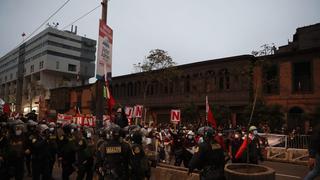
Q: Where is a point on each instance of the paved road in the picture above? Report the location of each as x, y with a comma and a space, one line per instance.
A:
284, 171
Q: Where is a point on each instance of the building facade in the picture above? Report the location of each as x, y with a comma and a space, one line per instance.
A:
290, 77
51, 59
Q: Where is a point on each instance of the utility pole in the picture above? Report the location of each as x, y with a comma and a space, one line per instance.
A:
100, 102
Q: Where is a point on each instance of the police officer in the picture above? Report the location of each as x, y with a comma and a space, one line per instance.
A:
40, 154
209, 158
85, 156
67, 151
17, 150
113, 156
139, 162
52, 145
4, 143
30, 134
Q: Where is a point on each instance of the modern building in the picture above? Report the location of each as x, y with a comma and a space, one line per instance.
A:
51, 59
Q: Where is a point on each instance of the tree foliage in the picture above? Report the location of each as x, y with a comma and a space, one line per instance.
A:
265, 49
269, 114
190, 113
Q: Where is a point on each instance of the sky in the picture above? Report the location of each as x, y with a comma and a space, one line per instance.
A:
189, 30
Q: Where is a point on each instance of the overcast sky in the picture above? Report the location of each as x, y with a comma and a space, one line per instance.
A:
190, 30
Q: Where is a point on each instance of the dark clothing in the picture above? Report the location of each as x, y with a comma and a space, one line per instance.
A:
178, 149
139, 163
67, 152
235, 145
255, 153
85, 160
4, 143
314, 147
53, 149
121, 121
16, 152
40, 158
113, 160
209, 160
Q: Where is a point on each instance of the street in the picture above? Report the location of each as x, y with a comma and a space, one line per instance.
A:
284, 171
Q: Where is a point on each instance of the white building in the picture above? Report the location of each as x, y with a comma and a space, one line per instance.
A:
51, 59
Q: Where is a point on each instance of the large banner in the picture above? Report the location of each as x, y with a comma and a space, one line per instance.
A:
104, 60
83, 120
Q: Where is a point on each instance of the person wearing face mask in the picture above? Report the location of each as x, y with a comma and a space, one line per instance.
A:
30, 134
17, 150
85, 156
40, 153
121, 118
189, 146
254, 146
67, 151
53, 146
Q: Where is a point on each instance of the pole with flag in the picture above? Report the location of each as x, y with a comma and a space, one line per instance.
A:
209, 115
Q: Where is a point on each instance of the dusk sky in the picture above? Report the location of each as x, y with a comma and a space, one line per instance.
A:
190, 30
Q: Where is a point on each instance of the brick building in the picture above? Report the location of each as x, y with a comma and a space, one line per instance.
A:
290, 77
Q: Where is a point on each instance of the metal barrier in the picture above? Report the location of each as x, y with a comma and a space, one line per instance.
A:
286, 141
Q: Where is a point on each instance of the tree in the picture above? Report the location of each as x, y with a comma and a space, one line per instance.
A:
190, 113
270, 114
265, 49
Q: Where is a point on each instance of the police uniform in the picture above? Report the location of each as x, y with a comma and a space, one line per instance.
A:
113, 161
53, 149
67, 153
4, 143
16, 152
209, 159
85, 159
40, 158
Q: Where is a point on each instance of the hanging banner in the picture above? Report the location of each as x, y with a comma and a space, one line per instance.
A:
137, 111
104, 59
80, 119
129, 112
175, 115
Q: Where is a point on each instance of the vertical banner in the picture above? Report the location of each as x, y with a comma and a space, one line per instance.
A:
175, 116
104, 59
129, 113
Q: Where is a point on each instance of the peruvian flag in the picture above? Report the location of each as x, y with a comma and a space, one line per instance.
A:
107, 94
210, 119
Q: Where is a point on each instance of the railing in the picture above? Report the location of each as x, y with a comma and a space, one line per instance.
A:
287, 141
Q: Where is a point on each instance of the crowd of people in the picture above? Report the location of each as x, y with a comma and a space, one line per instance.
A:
118, 151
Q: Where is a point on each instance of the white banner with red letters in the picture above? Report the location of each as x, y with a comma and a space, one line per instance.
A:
175, 116
83, 120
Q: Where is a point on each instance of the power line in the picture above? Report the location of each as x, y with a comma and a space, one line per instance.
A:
45, 21
81, 17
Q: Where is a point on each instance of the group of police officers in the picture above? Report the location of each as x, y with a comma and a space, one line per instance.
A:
112, 152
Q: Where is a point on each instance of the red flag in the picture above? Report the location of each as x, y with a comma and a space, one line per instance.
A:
242, 148
210, 118
110, 100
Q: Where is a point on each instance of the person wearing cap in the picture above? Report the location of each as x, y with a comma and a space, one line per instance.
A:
17, 150
208, 157
40, 153
30, 134
254, 148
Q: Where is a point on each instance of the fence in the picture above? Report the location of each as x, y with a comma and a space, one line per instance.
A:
287, 141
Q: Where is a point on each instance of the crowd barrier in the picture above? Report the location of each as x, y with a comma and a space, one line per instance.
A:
284, 148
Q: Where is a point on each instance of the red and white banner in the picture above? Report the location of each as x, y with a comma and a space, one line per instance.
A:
83, 120
175, 115
129, 112
137, 111
104, 60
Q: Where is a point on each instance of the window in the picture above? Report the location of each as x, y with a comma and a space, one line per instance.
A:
5, 78
41, 65
72, 67
31, 68
302, 77
270, 78
11, 76
57, 64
